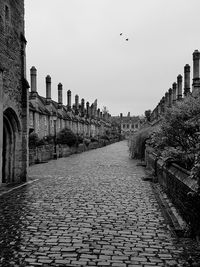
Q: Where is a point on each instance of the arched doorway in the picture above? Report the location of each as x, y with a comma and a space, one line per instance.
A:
10, 135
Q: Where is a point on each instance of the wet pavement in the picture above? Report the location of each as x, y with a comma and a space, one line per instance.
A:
89, 209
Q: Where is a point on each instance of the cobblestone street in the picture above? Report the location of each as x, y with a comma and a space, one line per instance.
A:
89, 209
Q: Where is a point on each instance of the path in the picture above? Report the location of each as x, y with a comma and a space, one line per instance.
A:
89, 209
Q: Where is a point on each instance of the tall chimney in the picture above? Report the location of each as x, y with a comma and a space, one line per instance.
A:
82, 107
174, 92
76, 103
69, 103
163, 104
92, 110
98, 113
170, 97
87, 109
166, 100
186, 80
33, 72
48, 88
179, 85
60, 94
196, 80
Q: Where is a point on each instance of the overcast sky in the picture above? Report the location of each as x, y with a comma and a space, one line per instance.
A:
78, 43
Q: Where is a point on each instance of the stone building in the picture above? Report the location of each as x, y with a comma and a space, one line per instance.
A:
180, 89
13, 93
48, 117
127, 124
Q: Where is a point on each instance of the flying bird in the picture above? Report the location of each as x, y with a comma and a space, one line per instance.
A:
121, 33
126, 39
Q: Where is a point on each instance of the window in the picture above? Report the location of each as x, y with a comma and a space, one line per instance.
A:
127, 126
31, 119
124, 125
132, 126
136, 126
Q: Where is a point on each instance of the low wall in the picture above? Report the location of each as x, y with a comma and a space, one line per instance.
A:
181, 189
47, 152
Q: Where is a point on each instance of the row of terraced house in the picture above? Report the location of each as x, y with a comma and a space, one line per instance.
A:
48, 117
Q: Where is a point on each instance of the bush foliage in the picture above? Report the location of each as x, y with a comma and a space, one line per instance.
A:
138, 141
178, 137
66, 136
33, 140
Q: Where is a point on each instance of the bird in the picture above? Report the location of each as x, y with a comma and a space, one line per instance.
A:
121, 33
126, 39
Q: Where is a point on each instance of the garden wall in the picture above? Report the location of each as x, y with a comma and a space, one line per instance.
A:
181, 189
44, 153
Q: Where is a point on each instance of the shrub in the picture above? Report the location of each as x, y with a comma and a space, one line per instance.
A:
93, 139
105, 137
49, 139
33, 140
41, 142
178, 135
66, 136
86, 141
79, 139
137, 142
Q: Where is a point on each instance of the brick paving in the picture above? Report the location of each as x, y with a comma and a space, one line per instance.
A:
89, 209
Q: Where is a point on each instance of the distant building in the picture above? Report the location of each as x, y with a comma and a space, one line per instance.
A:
48, 117
127, 124
13, 93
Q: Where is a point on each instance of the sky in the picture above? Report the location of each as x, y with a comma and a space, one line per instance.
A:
78, 43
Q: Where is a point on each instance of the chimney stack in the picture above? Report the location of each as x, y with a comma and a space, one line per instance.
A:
69, 103
170, 97
82, 107
196, 80
98, 113
174, 92
166, 100
92, 110
60, 94
186, 80
33, 73
162, 105
76, 103
179, 84
48, 88
87, 109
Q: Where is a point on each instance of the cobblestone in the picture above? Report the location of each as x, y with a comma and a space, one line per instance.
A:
90, 209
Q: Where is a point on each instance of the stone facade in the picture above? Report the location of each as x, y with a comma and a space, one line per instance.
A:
13, 93
48, 117
127, 124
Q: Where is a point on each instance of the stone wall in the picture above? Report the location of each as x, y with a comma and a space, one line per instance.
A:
179, 186
44, 153
14, 93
